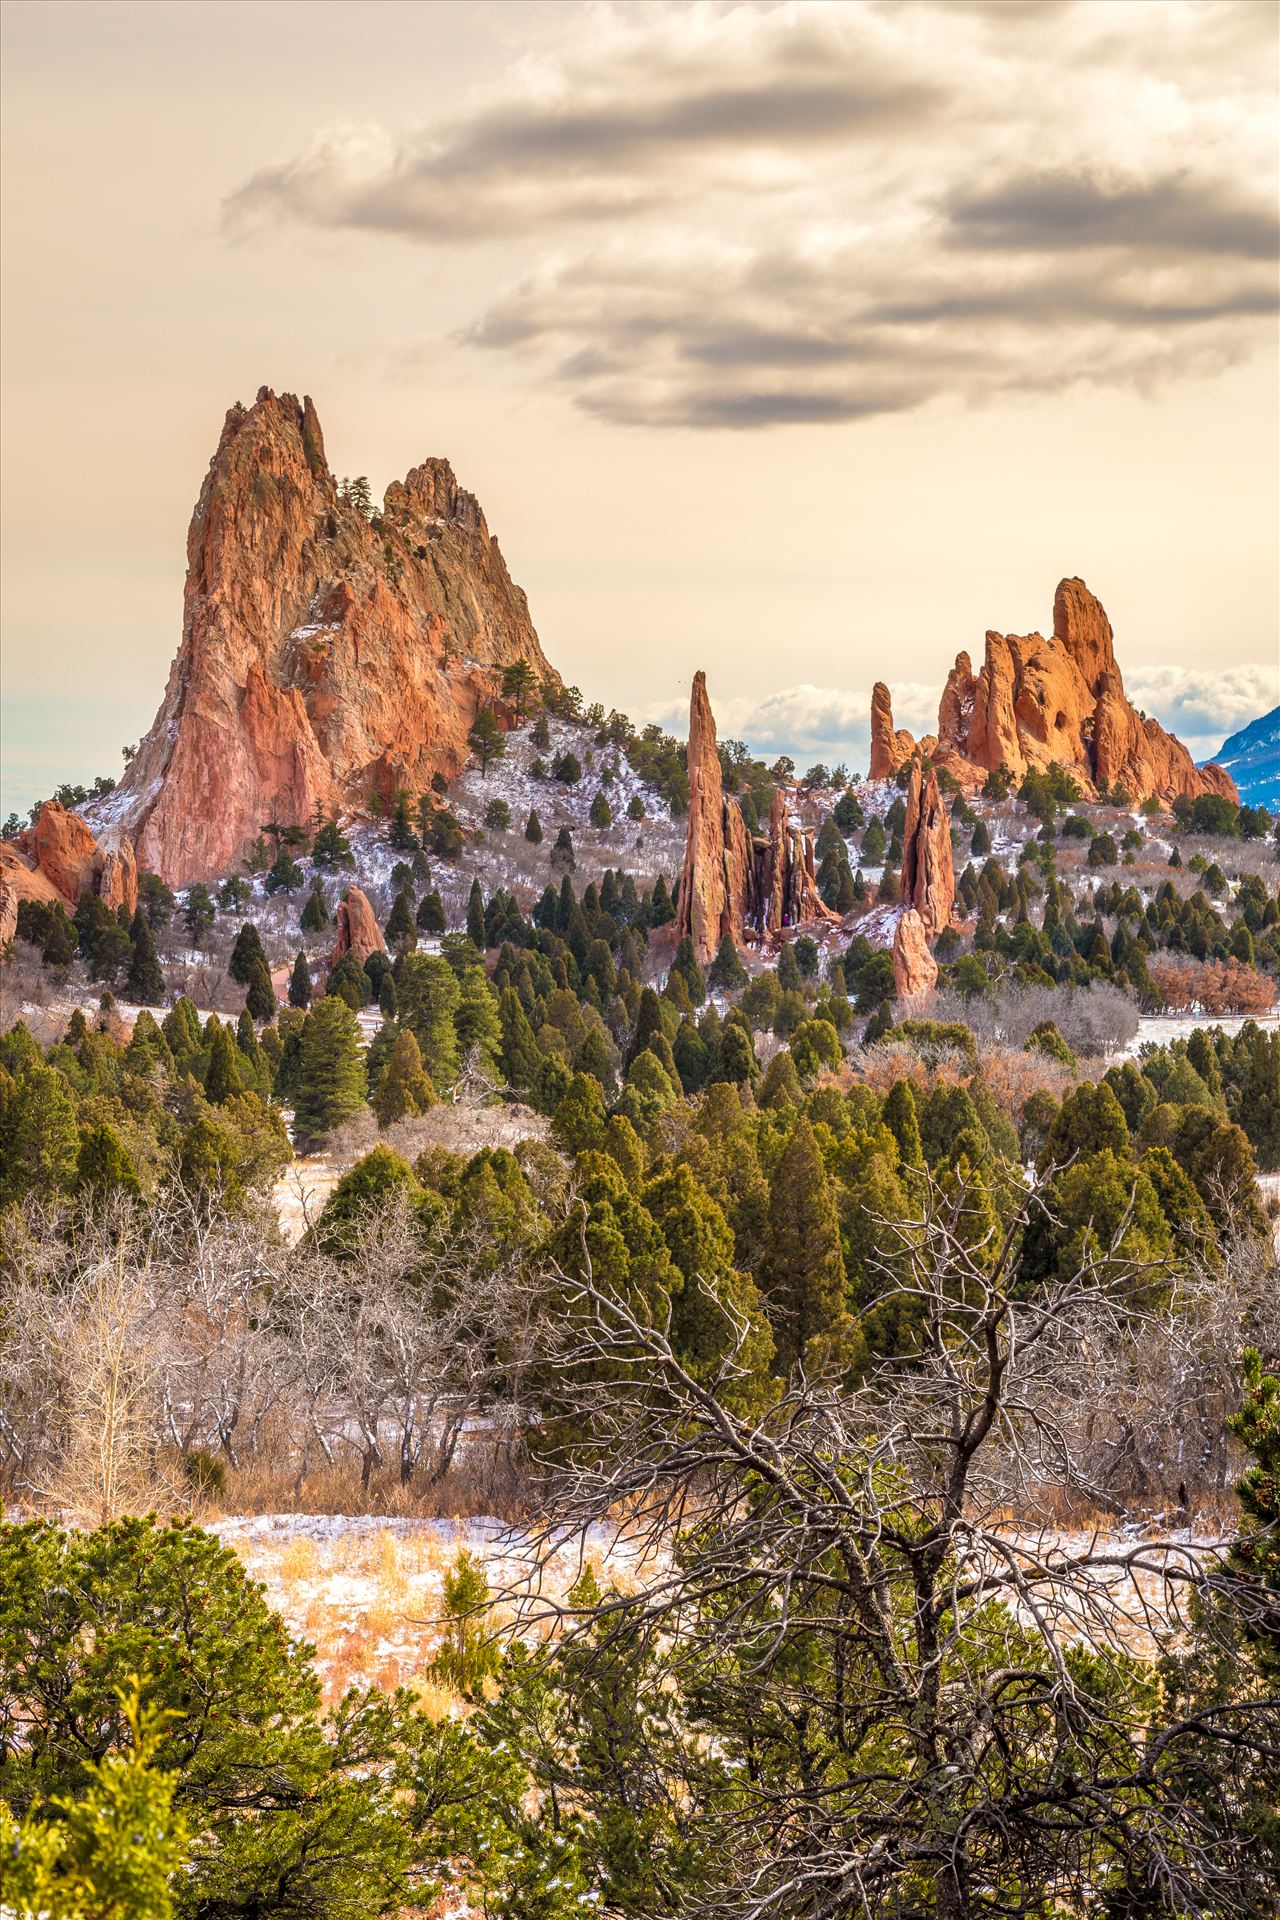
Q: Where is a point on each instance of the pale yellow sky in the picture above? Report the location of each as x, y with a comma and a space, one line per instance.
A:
802, 344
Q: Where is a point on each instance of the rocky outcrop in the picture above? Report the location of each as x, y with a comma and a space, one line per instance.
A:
358, 929
703, 910
325, 654
1037, 701
928, 872
915, 971
59, 859
749, 886
890, 747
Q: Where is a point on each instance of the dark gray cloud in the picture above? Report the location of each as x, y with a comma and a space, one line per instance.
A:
1177, 214
739, 217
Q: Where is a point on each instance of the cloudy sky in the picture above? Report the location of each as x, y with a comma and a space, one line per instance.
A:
802, 343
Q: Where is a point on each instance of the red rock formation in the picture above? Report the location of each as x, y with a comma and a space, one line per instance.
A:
702, 907
889, 746
915, 971
750, 888
1037, 701
928, 872
58, 859
21, 879
358, 929
322, 657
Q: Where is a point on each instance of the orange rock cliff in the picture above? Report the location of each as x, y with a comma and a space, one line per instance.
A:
59, 859
1038, 700
746, 885
323, 657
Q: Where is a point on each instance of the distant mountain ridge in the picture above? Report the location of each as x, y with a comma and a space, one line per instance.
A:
1252, 758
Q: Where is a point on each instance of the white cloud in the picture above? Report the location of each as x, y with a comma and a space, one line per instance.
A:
741, 216
1203, 705
834, 723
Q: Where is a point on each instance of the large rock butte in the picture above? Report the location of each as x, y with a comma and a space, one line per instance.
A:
323, 657
749, 886
1036, 701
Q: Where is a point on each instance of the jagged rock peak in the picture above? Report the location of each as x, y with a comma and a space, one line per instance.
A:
750, 888
327, 652
1035, 702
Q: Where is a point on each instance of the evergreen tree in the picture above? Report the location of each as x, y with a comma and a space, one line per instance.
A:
428, 995
315, 914
401, 835
486, 739
331, 1082
104, 1166
300, 982
260, 1000
400, 929
475, 917
519, 1056
477, 1025
533, 828
145, 981
198, 914
348, 981
662, 910
404, 1087
430, 914
247, 949
726, 972
41, 1141
331, 847
803, 1269
685, 965
222, 1081
285, 875
601, 814
517, 686
903, 1122
562, 853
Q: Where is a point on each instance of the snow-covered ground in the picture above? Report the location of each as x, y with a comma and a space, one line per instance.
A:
367, 1592
1159, 1029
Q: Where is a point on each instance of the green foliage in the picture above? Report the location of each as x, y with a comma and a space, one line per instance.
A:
468, 1654
145, 980
428, 998
285, 1813
330, 1074
300, 982
486, 739
404, 1087
111, 1851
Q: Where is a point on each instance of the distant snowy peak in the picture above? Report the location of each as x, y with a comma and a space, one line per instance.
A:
1252, 758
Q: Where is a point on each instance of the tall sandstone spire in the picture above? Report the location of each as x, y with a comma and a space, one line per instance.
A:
748, 886
323, 657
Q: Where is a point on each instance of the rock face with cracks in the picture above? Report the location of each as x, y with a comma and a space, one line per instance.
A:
326, 655
358, 929
889, 747
1037, 701
748, 886
915, 971
928, 871
59, 859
